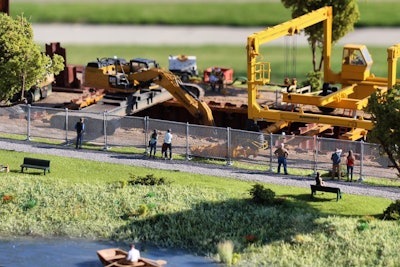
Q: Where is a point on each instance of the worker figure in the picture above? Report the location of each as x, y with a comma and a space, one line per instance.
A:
213, 79
292, 87
286, 82
220, 79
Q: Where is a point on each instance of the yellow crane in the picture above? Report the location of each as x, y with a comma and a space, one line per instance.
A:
357, 83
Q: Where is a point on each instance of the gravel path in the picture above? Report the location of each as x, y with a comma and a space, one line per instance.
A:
199, 168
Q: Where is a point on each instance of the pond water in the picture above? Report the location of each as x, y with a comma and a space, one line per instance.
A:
23, 252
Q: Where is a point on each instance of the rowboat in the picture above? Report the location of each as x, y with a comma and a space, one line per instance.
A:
113, 257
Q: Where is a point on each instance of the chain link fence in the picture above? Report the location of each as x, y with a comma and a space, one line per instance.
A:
104, 129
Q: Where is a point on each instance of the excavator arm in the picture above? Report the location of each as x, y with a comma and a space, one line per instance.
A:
198, 108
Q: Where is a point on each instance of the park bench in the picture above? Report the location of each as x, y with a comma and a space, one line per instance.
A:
32, 163
315, 188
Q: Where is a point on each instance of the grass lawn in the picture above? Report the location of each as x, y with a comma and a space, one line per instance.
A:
240, 13
95, 200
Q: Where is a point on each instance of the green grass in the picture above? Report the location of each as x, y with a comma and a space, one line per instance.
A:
89, 199
373, 13
208, 56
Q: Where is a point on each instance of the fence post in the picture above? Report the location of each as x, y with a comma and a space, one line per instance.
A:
270, 152
146, 135
66, 126
28, 125
187, 142
105, 130
316, 145
228, 135
361, 160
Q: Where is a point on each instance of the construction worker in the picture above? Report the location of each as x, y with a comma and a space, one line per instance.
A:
213, 78
293, 86
220, 79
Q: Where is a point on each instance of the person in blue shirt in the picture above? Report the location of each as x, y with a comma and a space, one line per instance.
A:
153, 143
336, 163
80, 129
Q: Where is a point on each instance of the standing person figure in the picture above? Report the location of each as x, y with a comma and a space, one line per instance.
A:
350, 165
336, 163
220, 79
213, 78
282, 154
167, 144
80, 129
153, 143
318, 180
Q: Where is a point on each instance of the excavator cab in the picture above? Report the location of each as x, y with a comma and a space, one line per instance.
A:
357, 63
142, 64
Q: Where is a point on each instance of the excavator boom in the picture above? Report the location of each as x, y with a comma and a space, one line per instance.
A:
198, 108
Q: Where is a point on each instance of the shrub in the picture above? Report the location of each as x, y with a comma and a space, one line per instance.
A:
314, 80
393, 211
149, 179
6, 198
262, 195
143, 210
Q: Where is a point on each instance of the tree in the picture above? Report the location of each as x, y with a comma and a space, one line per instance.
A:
22, 64
384, 108
345, 14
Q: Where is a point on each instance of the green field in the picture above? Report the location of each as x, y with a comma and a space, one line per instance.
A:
253, 13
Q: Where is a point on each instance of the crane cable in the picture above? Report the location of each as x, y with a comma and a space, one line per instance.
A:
290, 55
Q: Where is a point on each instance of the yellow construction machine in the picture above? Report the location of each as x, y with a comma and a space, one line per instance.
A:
144, 84
355, 79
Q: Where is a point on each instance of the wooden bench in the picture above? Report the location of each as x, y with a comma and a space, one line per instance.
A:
32, 163
315, 188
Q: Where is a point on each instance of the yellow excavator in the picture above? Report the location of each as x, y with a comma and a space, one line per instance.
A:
357, 83
143, 80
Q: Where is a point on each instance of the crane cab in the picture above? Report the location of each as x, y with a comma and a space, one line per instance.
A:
357, 63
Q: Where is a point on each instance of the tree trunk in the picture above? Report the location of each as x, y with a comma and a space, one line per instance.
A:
23, 86
314, 55
321, 61
391, 157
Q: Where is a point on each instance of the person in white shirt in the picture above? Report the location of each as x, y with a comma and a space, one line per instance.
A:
133, 254
167, 144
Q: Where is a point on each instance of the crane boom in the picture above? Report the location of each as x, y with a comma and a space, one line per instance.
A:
256, 70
